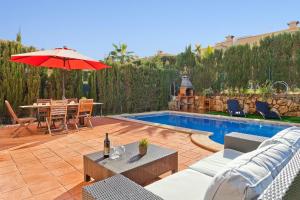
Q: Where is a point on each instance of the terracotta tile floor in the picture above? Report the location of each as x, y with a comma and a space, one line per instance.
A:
50, 167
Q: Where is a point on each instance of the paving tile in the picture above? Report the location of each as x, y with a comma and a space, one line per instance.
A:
11, 181
183, 159
45, 155
7, 163
31, 198
8, 169
77, 196
94, 143
44, 186
182, 167
201, 151
38, 147
25, 160
21, 193
189, 163
68, 154
28, 164
54, 165
189, 154
85, 150
63, 170
69, 178
165, 175
57, 194
23, 155
50, 159
74, 188
9, 175
5, 156
76, 162
41, 151
56, 145
32, 178
63, 151
38, 168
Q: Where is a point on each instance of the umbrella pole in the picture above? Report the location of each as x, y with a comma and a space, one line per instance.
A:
63, 79
63, 85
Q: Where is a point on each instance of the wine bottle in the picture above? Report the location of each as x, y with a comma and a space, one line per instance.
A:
106, 146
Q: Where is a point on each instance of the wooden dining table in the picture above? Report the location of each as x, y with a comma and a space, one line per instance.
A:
47, 105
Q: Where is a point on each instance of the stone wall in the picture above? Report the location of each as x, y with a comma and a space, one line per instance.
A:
287, 105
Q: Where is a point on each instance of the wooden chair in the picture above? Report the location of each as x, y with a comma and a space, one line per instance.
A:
42, 113
72, 110
85, 109
75, 100
58, 112
24, 122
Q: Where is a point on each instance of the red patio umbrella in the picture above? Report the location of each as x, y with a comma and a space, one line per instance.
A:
63, 58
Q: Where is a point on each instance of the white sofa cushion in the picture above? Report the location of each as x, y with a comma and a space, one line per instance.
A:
249, 175
216, 162
186, 184
289, 136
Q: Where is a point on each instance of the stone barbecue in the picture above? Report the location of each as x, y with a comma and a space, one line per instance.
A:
185, 99
186, 87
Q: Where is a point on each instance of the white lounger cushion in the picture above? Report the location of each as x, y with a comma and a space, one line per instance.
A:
216, 162
187, 184
289, 136
250, 174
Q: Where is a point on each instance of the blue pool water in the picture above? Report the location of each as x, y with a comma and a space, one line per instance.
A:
219, 127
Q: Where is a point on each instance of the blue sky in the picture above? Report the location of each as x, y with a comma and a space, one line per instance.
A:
92, 26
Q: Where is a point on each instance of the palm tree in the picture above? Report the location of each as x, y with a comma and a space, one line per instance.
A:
120, 54
198, 50
207, 51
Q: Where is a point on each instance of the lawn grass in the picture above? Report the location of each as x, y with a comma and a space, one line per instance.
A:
255, 116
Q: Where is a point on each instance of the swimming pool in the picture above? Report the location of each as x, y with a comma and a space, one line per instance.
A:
219, 127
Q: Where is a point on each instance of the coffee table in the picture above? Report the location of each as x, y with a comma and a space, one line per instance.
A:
140, 169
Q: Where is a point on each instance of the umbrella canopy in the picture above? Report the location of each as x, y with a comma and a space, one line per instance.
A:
62, 58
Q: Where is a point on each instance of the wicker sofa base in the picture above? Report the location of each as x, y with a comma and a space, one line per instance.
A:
117, 187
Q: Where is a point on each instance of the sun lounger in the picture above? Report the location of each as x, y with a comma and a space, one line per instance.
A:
234, 108
265, 111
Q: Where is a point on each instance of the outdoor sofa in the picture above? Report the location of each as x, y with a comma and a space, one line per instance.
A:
249, 167
240, 171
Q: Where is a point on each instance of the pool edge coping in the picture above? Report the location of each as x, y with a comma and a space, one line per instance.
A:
203, 141
200, 138
180, 129
264, 121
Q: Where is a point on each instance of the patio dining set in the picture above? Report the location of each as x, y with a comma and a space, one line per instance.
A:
66, 112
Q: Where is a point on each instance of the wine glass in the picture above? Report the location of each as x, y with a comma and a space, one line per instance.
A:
122, 150
115, 153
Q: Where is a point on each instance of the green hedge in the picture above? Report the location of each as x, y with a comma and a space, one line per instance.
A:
276, 58
122, 88
19, 84
130, 88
